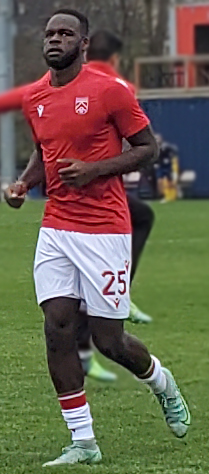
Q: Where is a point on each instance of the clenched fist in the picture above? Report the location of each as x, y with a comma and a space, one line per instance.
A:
78, 173
15, 194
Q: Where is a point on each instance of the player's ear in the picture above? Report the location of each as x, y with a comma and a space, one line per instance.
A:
85, 44
114, 61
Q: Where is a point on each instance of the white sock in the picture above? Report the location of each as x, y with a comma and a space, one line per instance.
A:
157, 381
79, 421
76, 413
85, 358
85, 354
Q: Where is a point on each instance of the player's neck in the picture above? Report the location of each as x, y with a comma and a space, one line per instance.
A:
62, 77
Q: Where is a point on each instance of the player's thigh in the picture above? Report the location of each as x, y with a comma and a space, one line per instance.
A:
54, 273
106, 333
83, 333
140, 211
105, 274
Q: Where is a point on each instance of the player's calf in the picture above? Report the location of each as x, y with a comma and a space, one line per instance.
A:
61, 324
129, 352
60, 333
126, 350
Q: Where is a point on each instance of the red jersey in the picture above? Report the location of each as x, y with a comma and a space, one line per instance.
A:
106, 68
12, 99
86, 120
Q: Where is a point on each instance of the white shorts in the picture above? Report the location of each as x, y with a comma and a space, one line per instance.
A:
94, 268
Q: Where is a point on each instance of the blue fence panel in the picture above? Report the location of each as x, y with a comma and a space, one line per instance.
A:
185, 122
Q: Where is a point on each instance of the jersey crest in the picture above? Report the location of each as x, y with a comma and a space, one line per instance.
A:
81, 105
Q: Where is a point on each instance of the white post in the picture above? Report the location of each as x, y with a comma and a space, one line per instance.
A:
7, 133
172, 25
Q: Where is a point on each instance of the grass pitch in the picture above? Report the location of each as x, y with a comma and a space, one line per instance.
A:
172, 285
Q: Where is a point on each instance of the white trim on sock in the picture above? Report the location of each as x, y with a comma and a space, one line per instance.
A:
157, 381
70, 397
85, 355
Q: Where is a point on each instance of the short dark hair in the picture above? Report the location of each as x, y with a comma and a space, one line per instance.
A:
103, 44
82, 18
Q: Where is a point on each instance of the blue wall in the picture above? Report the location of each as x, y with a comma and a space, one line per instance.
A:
185, 122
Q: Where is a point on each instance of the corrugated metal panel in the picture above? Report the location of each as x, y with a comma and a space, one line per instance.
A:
185, 122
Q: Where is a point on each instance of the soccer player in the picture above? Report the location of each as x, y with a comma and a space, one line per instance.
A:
167, 170
104, 55
78, 118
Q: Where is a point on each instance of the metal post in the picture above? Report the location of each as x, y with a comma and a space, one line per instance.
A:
172, 28
7, 133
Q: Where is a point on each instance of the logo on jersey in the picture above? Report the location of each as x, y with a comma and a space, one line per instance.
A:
116, 301
40, 110
81, 105
127, 265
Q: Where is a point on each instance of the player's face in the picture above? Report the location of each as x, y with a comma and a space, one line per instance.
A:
63, 42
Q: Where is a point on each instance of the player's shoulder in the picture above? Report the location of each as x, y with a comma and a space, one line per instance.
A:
36, 87
105, 81
131, 87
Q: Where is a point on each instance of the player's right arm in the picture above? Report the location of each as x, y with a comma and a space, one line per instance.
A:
33, 175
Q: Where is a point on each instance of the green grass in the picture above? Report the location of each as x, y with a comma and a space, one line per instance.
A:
172, 285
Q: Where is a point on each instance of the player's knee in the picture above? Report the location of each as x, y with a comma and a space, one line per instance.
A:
59, 335
56, 319
58, 326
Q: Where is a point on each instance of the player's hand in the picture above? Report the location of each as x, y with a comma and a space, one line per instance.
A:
78, 173
15, 194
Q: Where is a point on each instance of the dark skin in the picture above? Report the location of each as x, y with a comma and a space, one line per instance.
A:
63, 35
33, 175
144, 150
63, 38
61, 322
78, 173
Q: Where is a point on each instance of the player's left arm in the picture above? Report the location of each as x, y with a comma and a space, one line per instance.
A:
143, 152
131, 123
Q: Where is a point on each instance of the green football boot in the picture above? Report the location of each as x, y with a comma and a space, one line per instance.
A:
174, 407
75, 454
136, 316
97, 372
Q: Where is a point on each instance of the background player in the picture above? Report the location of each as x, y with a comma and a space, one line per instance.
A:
167, 170
104, 55
84, 197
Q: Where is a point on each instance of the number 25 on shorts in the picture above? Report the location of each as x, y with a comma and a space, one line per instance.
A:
111, 278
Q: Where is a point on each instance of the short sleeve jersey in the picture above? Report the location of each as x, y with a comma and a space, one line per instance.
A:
86, 120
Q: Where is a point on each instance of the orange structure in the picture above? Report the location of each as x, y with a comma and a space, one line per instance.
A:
192, 37
192, 23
